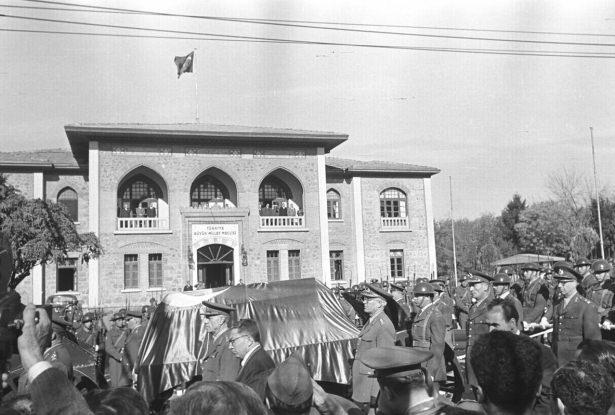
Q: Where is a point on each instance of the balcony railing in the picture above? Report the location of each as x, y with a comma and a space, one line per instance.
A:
142, 224
282, 222
394, 223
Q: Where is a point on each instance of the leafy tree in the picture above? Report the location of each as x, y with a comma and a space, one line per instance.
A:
509, 218
39, 232
607, 214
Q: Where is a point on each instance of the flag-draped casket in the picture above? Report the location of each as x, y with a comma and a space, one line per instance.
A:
301, 317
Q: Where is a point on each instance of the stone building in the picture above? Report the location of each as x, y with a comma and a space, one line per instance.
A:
218, 205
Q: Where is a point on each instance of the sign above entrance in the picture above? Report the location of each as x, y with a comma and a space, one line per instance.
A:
225, 233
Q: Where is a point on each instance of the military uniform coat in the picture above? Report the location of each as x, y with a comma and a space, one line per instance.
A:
476, 326
220, 363
573, 323
428, 333
131, 348
114, 347
602, 297
378, 332
535, 296
89, 337
463, 301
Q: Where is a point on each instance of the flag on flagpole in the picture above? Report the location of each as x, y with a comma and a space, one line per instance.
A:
184, 63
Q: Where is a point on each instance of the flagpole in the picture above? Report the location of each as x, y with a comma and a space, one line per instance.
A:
196, 88
591, 132
450, 188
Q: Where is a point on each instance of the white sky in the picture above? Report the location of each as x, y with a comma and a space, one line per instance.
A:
497, 124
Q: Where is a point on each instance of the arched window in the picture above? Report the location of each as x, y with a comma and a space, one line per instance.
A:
334, 205
136, 190
392, 203
207, 188
271, 189
68, 198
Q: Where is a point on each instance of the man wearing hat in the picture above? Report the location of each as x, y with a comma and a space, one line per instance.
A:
398, 294
501, 289
482, 293
574, 318
405, 385
463, 301
445, 304
535, 294
583, 267
377, 332
429, 329
600, 293
219, 362
87, 334
114, 347
133, 340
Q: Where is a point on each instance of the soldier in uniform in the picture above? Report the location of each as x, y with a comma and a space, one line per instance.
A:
574, 318
601, 293
482, 293
114, 348
535, 294
219, 362
133, 341
583, 267
429, 329
501, 289
398, 294
377, 332
87, 333
446, 305
463, 301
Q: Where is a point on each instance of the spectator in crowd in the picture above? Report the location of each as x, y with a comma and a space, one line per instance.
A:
502, 315
114, 345
133, 342
582, 388
256, 364
218, 398
17, 405
602, 353
116, 401
508, 372
219, 362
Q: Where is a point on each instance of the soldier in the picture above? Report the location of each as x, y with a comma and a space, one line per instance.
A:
429, 328
114, 347
535, 294
446, 305
583, 267
398, 293
87, 333
601, 293
377, 332
482, 293
501, 289
133, 342
574, 318
463, 301
219, 362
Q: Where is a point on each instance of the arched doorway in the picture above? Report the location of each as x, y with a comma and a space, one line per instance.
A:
215, 265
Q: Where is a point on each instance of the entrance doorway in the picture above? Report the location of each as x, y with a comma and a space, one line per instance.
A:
215, 265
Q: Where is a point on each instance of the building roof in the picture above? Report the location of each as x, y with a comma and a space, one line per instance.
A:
358, 167
80, 134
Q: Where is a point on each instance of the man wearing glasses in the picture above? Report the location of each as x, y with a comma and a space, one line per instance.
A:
256, 364
219, 363
378, 332
575, 318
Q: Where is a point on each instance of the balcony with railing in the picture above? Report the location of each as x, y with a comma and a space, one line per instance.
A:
394, 223
275, 223
142, 225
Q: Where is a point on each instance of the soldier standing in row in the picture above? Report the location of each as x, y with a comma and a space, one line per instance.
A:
501, 289
428, 330
445, 304
535, 294
600, 293
583, 267
87, 333
574, 318
114, 346
377, 332
136, 330
463, 301
482, 293
219, 362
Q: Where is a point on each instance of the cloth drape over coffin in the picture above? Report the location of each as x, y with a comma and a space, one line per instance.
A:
301, 317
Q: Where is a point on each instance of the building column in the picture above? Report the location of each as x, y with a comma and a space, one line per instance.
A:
357, 202
324, 220
94, 220
38, 271
431, 241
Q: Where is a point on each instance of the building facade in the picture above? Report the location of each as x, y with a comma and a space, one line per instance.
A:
218, 205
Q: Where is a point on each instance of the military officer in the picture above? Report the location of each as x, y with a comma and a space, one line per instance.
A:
136, 331
482, 293
429, 328
463, 301
535, 294
398, 293
87, 333
501, 289
583, 267
446, 305
114, 348
219, 362
574, 318
377, 332
601, 293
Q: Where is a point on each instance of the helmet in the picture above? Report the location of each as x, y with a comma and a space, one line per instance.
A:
600, 266
422, 279
507, 270
423, 288
582, 262
501, 278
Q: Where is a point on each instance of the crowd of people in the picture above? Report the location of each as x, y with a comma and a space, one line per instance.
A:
533, 345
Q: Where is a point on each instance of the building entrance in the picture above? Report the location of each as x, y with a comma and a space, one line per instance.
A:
215, 265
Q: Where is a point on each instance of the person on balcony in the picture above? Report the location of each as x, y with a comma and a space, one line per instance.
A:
267, 211
140, 211
283, 210
152, 210
125, 210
